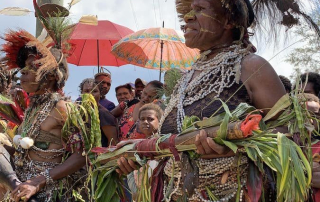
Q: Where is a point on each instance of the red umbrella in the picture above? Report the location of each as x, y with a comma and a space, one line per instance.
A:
92, 44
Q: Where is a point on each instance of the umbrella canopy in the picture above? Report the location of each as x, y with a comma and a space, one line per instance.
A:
91, 44
143, 48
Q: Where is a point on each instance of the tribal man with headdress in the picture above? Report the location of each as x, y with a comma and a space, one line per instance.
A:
229, 70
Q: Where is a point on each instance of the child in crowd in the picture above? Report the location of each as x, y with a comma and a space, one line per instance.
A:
149, 117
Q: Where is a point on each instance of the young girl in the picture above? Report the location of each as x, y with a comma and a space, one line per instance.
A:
129, 114
149, 117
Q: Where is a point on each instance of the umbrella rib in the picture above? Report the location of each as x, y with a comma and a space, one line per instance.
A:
171, 46
118, 33
186, 53
145, 48
84, 44
181, 56
157, 44
114, 56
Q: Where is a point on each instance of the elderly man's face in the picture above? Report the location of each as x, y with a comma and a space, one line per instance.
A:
105, 84
205, 24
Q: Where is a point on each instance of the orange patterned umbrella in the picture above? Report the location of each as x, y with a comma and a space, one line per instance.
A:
155, 48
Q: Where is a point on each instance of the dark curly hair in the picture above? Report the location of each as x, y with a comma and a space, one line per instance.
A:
158, 86
286, 83
154, 107
313, 78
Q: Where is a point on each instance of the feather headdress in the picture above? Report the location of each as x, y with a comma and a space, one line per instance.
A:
276, 13
50, 57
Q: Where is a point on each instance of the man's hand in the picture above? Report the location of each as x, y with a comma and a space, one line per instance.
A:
313, 106
27, 189
207, 147
125, 166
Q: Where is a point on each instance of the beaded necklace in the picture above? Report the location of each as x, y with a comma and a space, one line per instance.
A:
34, 116
227, 63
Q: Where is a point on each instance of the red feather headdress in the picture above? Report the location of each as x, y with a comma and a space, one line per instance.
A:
15, 40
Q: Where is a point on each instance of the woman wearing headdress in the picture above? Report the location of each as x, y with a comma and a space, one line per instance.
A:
229, 70
47, 163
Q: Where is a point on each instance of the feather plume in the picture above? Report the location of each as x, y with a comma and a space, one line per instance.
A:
15, 11
18, 39
270, 15
282, 13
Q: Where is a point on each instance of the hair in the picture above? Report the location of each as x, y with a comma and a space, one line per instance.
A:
23, 55
286, 83
62, 71
158, 86
313, 78
241, 15
90, 81
153, 107
127, 86
102, 74
62, 67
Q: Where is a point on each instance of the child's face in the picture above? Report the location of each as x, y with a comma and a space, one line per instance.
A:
149, 122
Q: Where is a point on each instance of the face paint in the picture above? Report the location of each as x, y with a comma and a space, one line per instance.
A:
204, 30
190, 15
28, 69
211, 17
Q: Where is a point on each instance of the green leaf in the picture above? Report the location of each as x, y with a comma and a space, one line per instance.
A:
282, 103
222, 132
284, 160
231, 145
252, 154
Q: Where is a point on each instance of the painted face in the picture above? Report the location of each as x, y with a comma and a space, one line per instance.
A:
205, 24
93, 89
28, 76
148, 95
139, 89
105, 84
148, 122
124, 94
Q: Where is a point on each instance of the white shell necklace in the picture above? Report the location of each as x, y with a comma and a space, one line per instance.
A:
227, 64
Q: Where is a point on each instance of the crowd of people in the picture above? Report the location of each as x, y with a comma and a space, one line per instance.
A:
49, 156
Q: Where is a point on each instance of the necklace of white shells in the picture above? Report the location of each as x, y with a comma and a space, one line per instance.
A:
227, 63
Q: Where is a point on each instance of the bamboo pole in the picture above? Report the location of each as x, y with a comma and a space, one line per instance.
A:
39, 26
182, 142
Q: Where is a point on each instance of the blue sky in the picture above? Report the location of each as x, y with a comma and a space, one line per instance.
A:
134, 14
